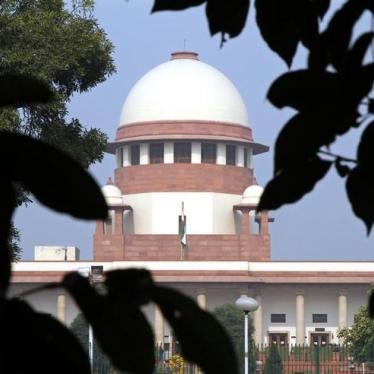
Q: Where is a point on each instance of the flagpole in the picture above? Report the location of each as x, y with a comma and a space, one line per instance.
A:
181, 244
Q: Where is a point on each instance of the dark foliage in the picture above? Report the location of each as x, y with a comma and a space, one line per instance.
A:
125, 335
329, 94
328, 97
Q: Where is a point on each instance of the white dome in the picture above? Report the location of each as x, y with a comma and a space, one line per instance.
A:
112, 194
184, 88
252, 194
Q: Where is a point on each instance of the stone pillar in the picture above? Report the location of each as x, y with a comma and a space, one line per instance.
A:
118, 220
264, 223
257, 322
144, 154
245, 222
195, 153
126, 155
168, 152
300, 325
221, 154
240, 156
201, 298
342, 310
61, 308
158, 326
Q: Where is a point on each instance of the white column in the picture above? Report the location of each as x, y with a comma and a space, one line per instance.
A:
158, 326
300, 325
221, 154
196, 153
168, 152
144, 154
126, 155
201, 298
257, 321
61, 308
342, 310
240, 156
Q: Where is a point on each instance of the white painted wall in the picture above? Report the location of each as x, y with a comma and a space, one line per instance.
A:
207, 212
240, 155
46, 301
276, 298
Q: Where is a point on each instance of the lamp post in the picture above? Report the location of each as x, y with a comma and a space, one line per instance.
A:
246, 304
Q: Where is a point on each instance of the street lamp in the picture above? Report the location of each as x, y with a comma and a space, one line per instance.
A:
246, 304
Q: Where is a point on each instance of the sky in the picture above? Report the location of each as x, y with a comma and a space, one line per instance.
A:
319, 227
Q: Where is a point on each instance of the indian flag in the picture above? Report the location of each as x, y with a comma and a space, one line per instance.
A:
182, 229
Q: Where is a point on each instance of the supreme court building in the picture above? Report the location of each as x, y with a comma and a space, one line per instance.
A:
184, 140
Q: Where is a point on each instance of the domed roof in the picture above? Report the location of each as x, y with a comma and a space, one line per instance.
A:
184, 88
252, 194
112, 194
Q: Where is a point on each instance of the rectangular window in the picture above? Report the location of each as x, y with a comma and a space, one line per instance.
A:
135, 154
156, 153
245, 157
208, 153
230, 154
119, 157
182, 153
319, 318
278, 318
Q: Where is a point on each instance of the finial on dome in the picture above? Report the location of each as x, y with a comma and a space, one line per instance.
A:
110, 182
185, 55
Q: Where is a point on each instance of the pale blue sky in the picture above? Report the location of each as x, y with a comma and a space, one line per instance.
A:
321, 226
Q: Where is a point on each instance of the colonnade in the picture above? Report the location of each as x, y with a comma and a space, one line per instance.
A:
257, 316
201, 299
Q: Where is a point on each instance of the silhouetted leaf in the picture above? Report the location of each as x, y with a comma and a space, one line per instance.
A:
203, 340
365, 150
360, 187
284, 23
299, 140
321, 7
339, 31
21, 90
227, 17
8, 204
132, 285
54, 178
342, 169
120, 327
371, 106
360, 83
321, 91
37, 343
293, 183
371, 304
305, 133
160, 5
305, 90
356, 54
